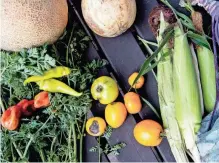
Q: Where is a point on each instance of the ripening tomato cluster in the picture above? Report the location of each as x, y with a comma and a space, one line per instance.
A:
106, 90
11, 117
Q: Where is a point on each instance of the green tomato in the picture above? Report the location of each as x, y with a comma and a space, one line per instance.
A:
105, 89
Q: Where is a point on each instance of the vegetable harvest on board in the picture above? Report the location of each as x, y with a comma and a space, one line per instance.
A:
47, 91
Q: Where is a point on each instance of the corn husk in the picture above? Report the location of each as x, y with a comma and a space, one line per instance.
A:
186, 92
166, 99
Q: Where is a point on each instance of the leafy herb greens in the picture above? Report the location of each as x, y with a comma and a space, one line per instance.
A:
16, 67
107, 149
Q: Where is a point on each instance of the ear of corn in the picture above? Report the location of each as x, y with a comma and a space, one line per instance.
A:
186, 92
166, 98
208, 77
179, 91
206, 66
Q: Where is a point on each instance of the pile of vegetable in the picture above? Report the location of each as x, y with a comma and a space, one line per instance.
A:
105, 90
45, 97
47, 91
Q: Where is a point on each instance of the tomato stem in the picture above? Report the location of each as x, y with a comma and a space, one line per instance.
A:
162, 134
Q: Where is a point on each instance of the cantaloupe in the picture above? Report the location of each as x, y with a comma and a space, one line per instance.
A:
28, 23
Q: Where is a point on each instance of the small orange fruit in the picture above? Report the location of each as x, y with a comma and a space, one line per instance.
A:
95, 126
147, 133
132, 102
115, 114
139, 83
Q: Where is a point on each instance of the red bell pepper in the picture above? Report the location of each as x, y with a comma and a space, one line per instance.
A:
41, 100
26, 107
11, 118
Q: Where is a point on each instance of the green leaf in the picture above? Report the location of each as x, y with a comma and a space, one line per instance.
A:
146, 67
198, 39
107, 134
186, 21
151, 106
147, 42
186, 4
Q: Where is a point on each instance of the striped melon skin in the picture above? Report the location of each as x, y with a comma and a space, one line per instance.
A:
29, 23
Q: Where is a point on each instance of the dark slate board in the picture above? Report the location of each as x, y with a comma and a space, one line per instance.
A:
89, 142
122, 134
144, 7
125, 56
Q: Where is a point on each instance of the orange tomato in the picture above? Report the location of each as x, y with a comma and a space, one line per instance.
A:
147, 133
139, 83
132, 102
115, 114
95, 126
